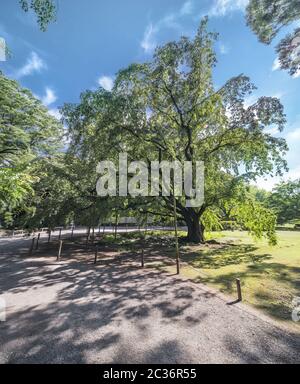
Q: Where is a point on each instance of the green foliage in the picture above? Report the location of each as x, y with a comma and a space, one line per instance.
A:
45, 11
285, 201
15, 184
288, 51
26, 128
27, 135
257, 219
212, 219
267, 17
260, 195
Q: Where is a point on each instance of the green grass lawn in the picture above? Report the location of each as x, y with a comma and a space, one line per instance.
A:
270, 275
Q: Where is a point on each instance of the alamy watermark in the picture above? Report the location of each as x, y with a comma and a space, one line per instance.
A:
139, 178
2, 49
2, 309
296, 310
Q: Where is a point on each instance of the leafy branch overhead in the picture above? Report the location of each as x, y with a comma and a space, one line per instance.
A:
267, 18
45, 11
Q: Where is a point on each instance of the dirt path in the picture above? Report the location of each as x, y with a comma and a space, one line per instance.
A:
74, 312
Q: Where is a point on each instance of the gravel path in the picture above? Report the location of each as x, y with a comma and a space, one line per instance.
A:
74, 312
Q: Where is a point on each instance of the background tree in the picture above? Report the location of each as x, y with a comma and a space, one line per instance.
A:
169, 108
285, 201
27, 135
267, 18
259, 194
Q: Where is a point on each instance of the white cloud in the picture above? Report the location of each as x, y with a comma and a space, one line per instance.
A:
294, 135
149, 43
272, 131
223, 49
187, 8
33, 64
171, 20
294, 174
276, 65
49, 97
224, 7
253, 98
250, 100
55, 113
297, 74
106, 82
279, 95
268, 183
2, 49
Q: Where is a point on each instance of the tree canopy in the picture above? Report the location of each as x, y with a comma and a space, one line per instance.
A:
285, 201
267, 18
166, 109
170, 108
27, 134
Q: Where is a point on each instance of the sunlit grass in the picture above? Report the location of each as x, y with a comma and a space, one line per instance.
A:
270, 275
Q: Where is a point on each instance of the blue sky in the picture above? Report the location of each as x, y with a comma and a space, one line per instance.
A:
91, 40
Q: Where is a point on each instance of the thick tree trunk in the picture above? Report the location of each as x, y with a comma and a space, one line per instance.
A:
195, 229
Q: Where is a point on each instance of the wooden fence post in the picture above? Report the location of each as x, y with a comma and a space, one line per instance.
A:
59, 250
96, 255
239, 290
176, 233
142, 259
49, 235
37, 241
72, 234
31, 246
59, 237
116, 230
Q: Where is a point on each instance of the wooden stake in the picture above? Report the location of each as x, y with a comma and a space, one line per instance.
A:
96, 254
37, 241
72, 234
59, 250
116, 225
31, 246
49, 235
59, 237
176, 233
239, 289
142, 259
88, 236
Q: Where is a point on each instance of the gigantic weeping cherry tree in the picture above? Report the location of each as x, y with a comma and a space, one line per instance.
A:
169, 109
